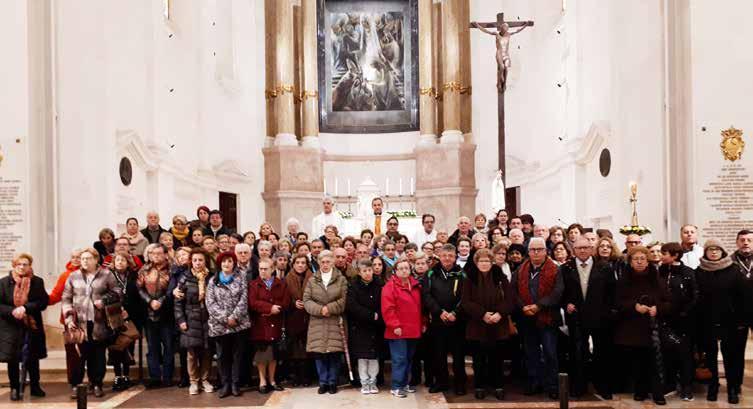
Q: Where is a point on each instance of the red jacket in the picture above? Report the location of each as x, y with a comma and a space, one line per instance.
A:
56, 295
401, 308
266, 327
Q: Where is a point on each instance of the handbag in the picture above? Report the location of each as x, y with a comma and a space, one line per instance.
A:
114, 313
74, 335
127, 335
283, 344
511, 328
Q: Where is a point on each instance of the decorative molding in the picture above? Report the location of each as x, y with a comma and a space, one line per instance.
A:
592, 144
153, 159
369, 158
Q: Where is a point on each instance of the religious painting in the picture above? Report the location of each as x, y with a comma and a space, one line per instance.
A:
368, 65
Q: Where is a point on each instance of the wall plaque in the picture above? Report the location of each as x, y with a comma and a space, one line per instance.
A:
14, 226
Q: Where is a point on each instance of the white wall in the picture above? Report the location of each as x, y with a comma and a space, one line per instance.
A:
611, 73
193, 126
721, 87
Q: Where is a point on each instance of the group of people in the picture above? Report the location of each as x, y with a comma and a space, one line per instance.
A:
301, 307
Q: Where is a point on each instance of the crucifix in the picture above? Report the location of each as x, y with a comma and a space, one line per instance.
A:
501, 30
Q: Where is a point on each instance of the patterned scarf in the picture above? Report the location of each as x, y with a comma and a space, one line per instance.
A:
21, 290
201, 277
154, 279
21, 296
546, 284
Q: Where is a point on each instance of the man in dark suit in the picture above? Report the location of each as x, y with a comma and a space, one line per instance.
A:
153, 230
215, 227
588, 297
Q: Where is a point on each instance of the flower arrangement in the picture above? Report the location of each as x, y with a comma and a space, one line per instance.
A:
404, 213
639, 230
346, 214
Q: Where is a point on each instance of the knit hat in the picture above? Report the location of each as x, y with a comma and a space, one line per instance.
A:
517, 247
712, 243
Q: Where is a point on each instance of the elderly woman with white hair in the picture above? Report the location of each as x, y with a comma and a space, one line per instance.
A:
292, 226
324, 299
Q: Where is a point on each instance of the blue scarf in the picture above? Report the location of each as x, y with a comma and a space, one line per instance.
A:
226, 279
269, 282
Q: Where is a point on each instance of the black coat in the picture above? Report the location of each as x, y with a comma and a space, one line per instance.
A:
146, 233
720, 297
193, 312
365, 332
223, 230
594, 311
632, 328
683, 293
12, 330
442, 290
130, 298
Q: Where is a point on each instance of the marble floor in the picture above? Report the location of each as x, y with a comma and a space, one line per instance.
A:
347, 398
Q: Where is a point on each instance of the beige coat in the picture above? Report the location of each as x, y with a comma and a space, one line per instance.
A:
324, 334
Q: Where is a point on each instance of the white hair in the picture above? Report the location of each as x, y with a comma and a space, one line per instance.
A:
464, 218
536, 240
481, 235
264, 243
241, 247
325, 254
292, 220
329, 199
515, 231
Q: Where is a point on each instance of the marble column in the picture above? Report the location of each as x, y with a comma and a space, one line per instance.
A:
309, 93
284, 80
449, 191
428, 90
452, 13
270, 56
464, 37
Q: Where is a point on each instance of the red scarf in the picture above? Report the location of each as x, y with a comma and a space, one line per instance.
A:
547, 279
21, 296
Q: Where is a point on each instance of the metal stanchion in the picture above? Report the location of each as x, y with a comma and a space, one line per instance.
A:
564, 391
141, 359
82, 391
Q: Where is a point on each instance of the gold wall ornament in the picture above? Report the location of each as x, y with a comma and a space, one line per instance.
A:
278, 91
732, 144
454, 86
430, 92
1, 155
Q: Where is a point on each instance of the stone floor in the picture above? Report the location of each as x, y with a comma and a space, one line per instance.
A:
348, 398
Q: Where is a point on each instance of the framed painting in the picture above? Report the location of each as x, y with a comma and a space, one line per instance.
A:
368, 65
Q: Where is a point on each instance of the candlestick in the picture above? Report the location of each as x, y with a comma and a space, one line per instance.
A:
412, 186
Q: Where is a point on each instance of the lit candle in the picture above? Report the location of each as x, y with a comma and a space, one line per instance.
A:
325, 186
412, 186
348, 187
633, 188
387, 186
336, 190
400, 186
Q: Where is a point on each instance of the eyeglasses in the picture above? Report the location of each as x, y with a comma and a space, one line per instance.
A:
484, 260
633, 242
536, 250
584, 248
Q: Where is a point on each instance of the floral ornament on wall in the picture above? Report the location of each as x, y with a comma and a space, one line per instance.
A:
732, 144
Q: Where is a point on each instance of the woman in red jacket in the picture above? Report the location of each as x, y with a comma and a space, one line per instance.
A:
267, 298
401, 309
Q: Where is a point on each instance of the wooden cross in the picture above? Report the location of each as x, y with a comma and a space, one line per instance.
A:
502, 34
